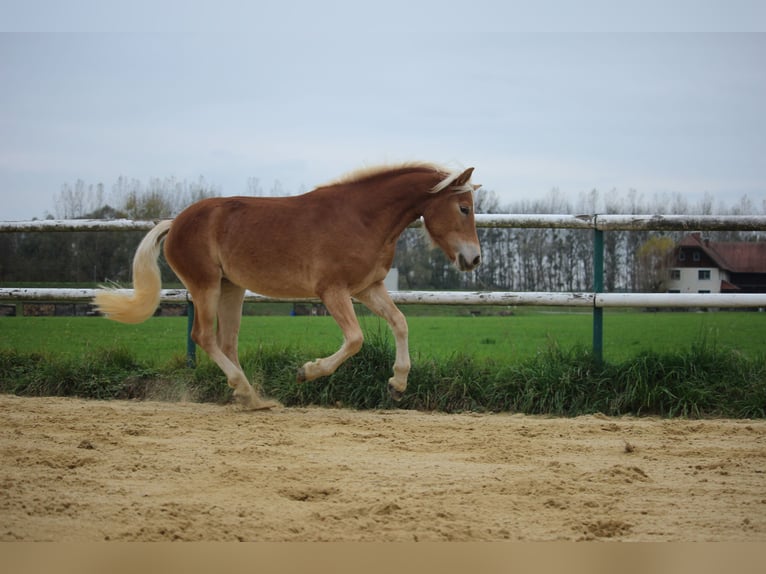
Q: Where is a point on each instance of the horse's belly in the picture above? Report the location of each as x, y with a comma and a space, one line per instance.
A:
283, 285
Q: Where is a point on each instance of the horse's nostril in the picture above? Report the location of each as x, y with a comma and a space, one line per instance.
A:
476, 260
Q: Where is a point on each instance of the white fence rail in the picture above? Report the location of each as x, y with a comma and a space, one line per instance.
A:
596, 222
489, 298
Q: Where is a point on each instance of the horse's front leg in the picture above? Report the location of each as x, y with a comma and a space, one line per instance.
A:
377, 299
339, 304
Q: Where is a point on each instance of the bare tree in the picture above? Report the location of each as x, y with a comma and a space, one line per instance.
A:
654, 258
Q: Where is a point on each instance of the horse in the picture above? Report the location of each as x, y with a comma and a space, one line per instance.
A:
335, 243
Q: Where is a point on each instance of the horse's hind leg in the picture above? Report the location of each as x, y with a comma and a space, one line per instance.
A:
339, 305
203, 332
377, 299
229, 318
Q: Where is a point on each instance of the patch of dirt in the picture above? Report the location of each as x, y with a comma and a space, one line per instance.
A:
76, 470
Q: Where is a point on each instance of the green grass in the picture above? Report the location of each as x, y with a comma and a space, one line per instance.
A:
502, 339
690, 364
700, 382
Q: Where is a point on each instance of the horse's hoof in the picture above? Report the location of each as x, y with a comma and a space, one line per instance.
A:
395, 394
301, 376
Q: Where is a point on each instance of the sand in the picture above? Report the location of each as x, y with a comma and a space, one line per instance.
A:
78, 470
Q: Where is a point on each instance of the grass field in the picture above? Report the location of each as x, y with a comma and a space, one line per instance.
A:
669, 364
502, 339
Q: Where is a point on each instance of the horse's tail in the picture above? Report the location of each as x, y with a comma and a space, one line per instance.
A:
147, 283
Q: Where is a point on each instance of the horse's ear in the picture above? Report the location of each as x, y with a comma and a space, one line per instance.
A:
463, 178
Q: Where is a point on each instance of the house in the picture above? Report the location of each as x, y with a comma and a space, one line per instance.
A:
702, 266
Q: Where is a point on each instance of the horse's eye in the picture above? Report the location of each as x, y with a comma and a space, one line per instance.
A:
465, 210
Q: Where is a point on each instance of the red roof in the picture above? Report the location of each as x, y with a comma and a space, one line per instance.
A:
738, 257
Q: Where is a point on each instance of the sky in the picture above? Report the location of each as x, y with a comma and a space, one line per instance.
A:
300, 94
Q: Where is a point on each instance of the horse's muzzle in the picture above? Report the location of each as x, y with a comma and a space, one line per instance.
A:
468, 263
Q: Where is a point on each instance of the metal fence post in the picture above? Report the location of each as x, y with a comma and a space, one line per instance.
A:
191, 348
598, 287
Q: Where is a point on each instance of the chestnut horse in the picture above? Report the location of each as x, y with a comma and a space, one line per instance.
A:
335, 242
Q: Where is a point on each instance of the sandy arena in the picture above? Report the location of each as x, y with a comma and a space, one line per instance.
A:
76, 470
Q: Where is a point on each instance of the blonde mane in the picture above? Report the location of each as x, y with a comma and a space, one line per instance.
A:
369, 172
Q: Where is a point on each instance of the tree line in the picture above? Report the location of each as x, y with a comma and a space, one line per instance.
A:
513, 259
96, 257
562, 259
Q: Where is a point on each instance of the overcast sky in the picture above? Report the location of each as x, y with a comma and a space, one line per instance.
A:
303, 97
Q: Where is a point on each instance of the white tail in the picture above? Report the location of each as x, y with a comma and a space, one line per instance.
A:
147, 283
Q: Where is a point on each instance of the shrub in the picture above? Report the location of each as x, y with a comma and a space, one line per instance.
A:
703, 381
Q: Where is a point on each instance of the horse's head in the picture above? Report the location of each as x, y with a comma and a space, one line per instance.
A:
449, 220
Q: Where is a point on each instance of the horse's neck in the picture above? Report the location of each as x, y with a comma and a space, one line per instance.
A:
396, 207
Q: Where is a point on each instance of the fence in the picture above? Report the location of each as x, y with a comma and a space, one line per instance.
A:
596, 300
